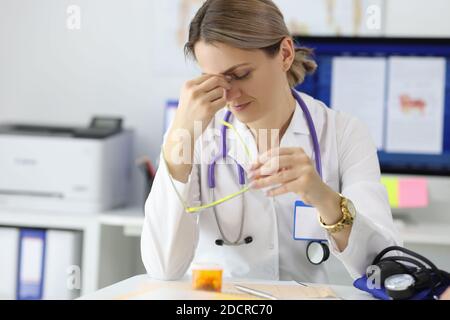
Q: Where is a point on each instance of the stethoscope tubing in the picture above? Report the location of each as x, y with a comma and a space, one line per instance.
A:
223, 154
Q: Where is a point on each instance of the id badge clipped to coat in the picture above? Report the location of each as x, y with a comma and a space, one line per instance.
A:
307, 228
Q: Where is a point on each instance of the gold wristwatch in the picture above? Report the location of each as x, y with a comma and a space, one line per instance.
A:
348, 215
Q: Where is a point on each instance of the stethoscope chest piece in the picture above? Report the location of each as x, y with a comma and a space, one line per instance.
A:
317, 252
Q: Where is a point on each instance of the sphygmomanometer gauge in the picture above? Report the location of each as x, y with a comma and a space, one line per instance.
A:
400, 286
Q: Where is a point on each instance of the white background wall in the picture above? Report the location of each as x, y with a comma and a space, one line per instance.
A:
418, 18
49, 74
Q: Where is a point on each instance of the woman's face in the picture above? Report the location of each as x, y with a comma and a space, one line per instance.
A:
257, 80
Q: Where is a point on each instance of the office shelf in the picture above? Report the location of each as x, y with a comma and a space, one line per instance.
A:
131, 219
426, 233
91, 225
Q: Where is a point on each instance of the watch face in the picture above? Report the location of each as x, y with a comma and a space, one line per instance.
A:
351, 208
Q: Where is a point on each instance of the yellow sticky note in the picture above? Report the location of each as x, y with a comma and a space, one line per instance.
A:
391, 185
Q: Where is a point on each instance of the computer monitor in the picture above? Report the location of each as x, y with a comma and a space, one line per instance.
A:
407, 143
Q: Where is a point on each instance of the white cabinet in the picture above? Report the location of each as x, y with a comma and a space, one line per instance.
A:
108, 255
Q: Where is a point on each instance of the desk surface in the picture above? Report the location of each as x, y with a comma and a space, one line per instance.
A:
136, 284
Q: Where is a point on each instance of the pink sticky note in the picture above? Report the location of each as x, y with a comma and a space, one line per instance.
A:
413, 193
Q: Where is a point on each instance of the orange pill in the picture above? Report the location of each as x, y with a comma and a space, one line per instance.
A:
207, 277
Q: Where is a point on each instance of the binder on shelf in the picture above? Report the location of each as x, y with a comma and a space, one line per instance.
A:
63, 260
31, 263
9, 250
45, 261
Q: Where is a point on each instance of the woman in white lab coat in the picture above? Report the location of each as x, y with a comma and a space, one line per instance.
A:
249, 67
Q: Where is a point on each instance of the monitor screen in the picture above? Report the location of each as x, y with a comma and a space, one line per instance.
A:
400, 88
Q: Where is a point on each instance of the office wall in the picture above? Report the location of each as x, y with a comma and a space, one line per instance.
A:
418, 18
49, 74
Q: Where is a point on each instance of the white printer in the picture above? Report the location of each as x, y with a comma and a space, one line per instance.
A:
65, 169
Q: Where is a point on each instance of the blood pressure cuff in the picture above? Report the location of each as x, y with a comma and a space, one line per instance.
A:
406, 275
380, 293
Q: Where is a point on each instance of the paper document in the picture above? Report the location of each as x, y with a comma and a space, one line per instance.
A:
358, 88
182, 291
415, 119
294, 291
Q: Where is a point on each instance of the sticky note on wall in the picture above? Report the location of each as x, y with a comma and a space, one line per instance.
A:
407, 193
391, 185
413, 193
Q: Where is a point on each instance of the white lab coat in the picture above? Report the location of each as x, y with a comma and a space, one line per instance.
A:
172, 239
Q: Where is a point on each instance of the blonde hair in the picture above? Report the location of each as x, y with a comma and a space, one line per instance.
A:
247, 24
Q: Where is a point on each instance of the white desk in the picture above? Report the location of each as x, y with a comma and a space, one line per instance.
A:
135, 283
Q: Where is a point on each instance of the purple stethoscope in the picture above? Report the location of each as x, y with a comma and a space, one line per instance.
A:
313, 245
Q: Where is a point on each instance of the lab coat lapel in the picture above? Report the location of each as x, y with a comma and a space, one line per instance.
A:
297, 134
